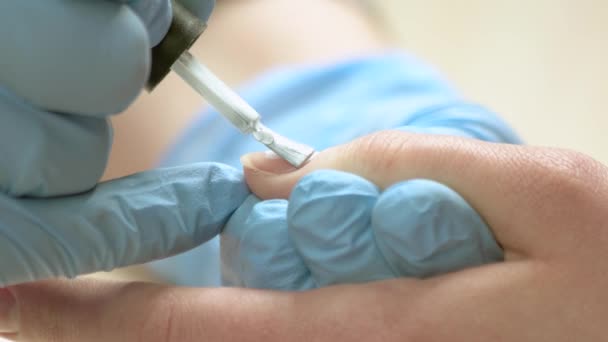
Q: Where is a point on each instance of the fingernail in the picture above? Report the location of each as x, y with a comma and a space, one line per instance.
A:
9, 322
266, 162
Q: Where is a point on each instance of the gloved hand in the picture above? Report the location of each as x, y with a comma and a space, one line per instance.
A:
337, 227
65, 66
340, 228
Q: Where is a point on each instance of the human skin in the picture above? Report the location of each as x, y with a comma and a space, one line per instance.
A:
548, 208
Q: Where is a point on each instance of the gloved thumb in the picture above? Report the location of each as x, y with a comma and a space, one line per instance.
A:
132, 220
511, 187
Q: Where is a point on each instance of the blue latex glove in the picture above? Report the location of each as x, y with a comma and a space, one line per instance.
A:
339, 228
82, 57
65, 65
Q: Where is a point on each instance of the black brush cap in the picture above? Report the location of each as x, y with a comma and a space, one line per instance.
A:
184, 31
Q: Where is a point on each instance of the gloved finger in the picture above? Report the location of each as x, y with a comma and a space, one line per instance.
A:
424, 228
48, 154
257, 251
81, 57
156, 16
128, 221
330, 224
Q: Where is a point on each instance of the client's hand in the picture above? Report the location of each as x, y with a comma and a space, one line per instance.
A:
547, 209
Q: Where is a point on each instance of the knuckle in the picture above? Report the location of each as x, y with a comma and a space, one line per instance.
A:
567, 188
569, 174
412, 198
576, 198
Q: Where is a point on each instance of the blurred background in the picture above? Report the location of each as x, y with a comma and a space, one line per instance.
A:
541, 64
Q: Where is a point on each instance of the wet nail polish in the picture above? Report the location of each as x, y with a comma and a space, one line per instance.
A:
267, 162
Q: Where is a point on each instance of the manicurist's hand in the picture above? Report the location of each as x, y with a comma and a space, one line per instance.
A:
65, 67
